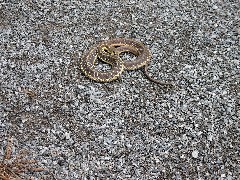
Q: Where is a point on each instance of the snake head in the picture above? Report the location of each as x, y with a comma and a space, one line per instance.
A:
108, 49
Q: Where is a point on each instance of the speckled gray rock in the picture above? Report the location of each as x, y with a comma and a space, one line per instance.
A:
130, 128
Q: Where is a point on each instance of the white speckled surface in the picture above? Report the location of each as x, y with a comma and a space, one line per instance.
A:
130, 128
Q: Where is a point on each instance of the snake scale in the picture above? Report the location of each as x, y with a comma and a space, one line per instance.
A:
109, 52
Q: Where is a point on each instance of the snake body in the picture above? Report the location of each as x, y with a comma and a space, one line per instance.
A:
109, 51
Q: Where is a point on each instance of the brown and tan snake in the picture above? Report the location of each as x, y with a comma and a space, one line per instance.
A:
109, 51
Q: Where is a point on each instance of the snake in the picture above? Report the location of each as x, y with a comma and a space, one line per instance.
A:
109, 51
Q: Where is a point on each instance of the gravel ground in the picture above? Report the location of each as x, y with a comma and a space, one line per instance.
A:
130, 128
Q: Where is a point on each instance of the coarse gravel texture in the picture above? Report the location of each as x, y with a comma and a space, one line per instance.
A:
130, 128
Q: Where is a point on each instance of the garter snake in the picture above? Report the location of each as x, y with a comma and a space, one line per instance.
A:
109, 51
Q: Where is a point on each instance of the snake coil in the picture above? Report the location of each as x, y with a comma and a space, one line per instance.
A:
109, 52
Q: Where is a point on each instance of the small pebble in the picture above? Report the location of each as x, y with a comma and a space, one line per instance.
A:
195, 154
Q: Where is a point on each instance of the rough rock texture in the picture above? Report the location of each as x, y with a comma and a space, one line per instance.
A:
130, 128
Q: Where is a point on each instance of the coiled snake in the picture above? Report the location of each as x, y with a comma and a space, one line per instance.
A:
109, 51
